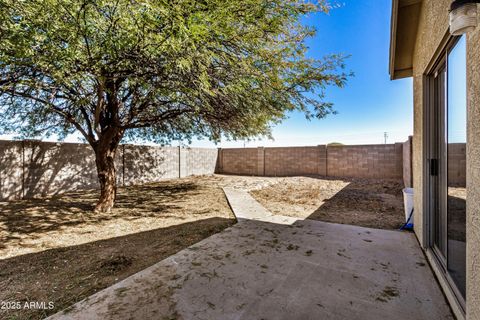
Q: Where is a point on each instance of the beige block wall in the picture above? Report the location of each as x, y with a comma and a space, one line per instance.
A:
145, 164
30, 169
457, 164
473, 175
200, 161
407, 163
10, 170
51, 168
295, 161
367, 161
242, 161
261, 161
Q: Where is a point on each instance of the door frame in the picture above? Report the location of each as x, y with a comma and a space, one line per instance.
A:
436, 183
438, 264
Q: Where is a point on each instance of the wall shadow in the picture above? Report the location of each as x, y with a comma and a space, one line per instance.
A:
34, 217
35, 169
144, 164
10, 170
53, 168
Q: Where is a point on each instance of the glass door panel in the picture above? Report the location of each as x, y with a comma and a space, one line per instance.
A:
446, 153
437, 165
456, 138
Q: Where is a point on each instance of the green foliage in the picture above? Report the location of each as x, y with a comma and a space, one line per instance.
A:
159, 69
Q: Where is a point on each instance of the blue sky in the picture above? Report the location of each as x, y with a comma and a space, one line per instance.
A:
457, 93
370, 104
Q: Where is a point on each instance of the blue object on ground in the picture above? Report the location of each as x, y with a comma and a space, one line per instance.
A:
407, 225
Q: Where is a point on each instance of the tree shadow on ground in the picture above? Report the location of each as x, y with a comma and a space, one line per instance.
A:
35, 217
69, 274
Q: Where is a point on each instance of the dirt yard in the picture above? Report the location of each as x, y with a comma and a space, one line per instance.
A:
367, 203
57, 250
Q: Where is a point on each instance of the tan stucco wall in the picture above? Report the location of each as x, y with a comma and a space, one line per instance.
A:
473, 175
433, 27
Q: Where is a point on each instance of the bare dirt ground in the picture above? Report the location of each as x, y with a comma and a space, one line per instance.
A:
367, 203
58, 250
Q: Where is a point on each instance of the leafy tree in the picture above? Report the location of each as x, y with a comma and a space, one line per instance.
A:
157, 70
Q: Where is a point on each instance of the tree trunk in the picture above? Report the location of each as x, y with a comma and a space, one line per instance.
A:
107, 178
105, 152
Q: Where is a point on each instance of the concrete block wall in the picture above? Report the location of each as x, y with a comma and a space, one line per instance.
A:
50, 168
367, 161
295, 161
241, 161
457, 165
11, 170
407, 163
145, 164
200, 161
261, 161
30, 169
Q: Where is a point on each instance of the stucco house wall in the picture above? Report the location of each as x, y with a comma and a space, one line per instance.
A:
473, 174
432, 29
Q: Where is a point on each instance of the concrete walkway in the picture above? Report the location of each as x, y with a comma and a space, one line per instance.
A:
246, 208
271, 267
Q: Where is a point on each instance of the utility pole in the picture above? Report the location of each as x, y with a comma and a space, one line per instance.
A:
385, 135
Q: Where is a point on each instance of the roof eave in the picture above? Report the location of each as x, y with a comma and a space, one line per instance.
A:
404, 24
393, 37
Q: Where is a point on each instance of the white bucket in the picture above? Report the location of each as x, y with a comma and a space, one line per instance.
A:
408, 204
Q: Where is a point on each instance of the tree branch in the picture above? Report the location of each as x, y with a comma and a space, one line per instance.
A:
66, 115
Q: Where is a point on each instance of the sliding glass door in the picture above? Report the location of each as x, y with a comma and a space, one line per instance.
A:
446, 154
456, 136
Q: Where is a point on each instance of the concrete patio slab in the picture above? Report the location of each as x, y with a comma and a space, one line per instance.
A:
262, 269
